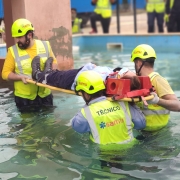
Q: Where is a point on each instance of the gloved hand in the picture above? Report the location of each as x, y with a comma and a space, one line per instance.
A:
155, 100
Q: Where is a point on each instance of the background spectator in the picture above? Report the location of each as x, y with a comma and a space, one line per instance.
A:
76, 22
102, 13
155, 10
173, 12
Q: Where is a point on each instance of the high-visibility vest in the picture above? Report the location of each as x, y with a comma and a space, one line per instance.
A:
110, 122
156, 116
103, 7
23, 66
155, 5
76, 26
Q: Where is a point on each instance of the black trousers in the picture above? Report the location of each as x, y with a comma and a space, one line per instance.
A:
22, 103
160, 21
105, 22
174, 23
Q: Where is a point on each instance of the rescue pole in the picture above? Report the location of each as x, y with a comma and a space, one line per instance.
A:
73, 92
117, 15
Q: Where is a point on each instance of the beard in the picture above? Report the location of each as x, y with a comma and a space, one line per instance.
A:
24, 45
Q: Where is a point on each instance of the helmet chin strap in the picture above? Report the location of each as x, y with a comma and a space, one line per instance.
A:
138, 72
87, 101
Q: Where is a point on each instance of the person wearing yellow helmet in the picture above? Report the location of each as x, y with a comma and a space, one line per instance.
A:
17, 66
106, 121
165, 100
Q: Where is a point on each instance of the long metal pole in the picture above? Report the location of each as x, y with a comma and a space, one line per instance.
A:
134, 10
117, 15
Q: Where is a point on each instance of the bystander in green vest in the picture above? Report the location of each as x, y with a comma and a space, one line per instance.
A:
76, 28
103, 7
155, 5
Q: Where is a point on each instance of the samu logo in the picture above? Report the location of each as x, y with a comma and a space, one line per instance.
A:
102, 125
111, 124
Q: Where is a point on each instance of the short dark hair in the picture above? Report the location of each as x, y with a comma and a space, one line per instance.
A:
149, 62
74, 9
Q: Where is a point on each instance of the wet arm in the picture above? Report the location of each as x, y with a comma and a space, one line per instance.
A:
8, 70
138, 117
80, 124
169, 102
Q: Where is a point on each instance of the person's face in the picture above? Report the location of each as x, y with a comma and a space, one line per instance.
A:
20, 40
73, 15
23, 41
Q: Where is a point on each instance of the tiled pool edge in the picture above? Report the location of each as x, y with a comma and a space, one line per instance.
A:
129, 41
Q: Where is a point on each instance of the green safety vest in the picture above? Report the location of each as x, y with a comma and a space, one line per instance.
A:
110, 122
76, 26
103, 7
156, 116
23, 66
155, 5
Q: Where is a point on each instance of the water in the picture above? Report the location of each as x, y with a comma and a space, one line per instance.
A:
40, 144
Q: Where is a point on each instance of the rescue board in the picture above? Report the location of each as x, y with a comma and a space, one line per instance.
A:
111, 98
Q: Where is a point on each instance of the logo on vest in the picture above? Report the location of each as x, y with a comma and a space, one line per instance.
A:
111, 124
106, 111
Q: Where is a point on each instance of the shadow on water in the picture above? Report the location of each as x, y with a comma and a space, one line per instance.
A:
40, 144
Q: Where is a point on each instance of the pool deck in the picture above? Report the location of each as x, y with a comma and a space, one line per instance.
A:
126, 24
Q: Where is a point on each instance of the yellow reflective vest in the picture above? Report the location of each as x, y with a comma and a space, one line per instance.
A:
155, 5
156, 116
103, 7
110, 122
76, 26
23, 66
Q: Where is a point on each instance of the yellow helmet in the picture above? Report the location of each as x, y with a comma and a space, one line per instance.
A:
90, 82
20, 27
143, 51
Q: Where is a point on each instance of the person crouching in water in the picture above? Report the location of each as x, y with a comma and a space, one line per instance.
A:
106, 121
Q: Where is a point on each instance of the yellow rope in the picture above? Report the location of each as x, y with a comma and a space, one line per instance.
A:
72, 92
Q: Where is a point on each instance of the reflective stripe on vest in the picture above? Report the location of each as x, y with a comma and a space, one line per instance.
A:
76, 26
23, 66
18, 58
156, 116
94, 130
90, 119
155, 5
103, 7
128, 121
155, 112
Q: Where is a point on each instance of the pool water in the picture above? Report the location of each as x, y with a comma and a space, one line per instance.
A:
40, 143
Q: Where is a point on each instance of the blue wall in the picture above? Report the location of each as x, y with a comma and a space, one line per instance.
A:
1, 9
161, 42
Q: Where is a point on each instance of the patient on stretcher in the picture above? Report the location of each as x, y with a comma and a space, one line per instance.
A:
66, 79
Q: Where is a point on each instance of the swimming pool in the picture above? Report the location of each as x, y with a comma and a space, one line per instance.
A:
40, 144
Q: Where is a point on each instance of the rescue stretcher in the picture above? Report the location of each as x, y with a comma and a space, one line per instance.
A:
116, 89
